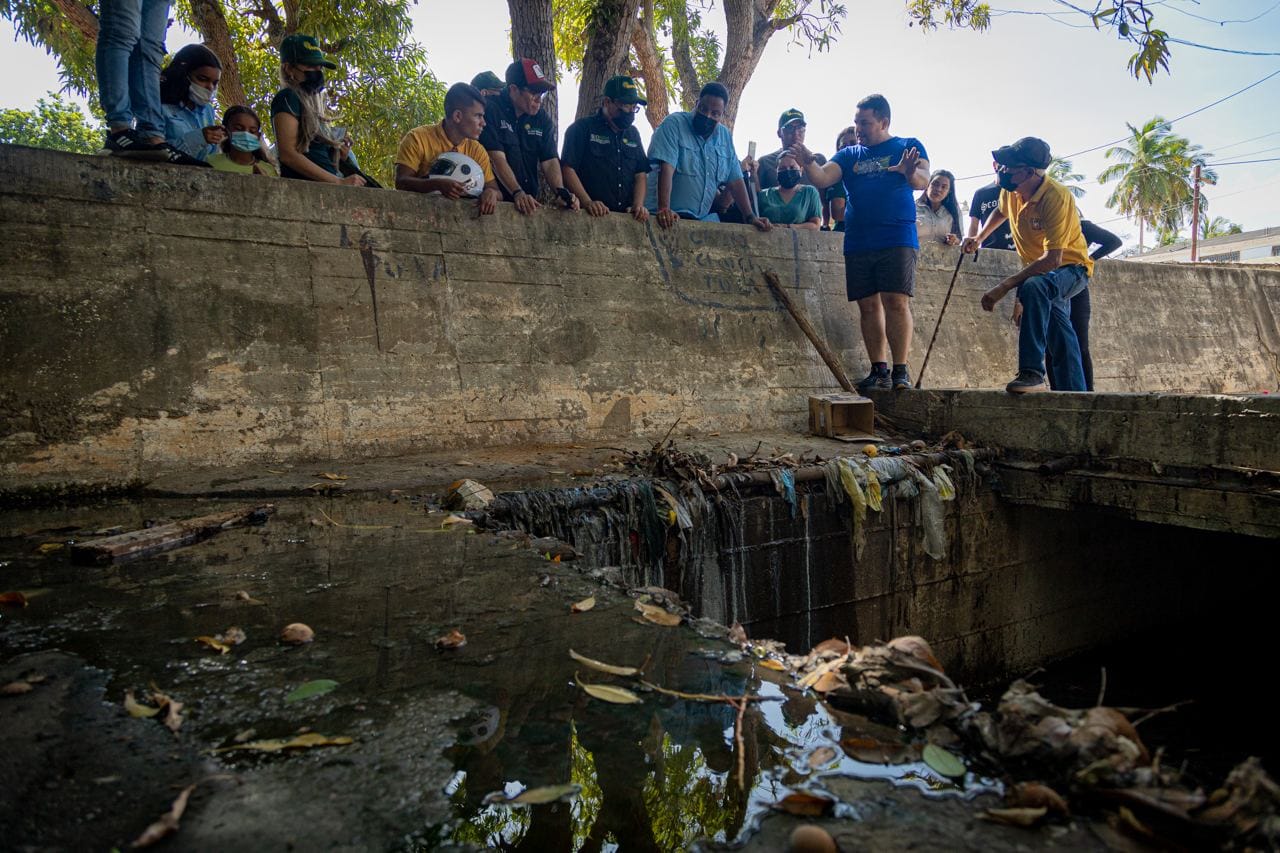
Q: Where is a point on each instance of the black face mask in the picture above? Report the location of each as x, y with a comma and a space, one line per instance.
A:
624, 119
312, 81
704, 126
1006, 181
788, 178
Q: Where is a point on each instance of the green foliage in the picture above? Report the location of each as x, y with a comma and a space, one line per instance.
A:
381, 89
1220, 226
1132, 21
1153, 173
930, 14
1062, 171
54, 123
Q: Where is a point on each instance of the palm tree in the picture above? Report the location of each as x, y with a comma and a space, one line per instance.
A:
1154, 176
1219, 227
1061, 171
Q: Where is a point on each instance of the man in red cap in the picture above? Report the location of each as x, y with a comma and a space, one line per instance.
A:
521, 140
1046, 231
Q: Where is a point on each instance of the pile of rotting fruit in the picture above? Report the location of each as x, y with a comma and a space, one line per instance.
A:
1053, 761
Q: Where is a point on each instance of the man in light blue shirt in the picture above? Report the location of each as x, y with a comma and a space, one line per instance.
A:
693, 155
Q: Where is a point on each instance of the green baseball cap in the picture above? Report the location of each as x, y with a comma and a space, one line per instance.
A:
298, 49
624, 90
791, 115
488, 80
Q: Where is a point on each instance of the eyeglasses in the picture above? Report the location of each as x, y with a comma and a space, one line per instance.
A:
1001, 168
626, 108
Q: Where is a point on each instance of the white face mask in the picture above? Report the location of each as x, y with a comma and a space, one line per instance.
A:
199, 94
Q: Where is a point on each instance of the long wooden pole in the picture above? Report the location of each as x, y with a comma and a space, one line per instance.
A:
771, 278
1195, 218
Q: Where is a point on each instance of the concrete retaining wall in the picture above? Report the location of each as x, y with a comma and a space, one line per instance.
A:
155, 318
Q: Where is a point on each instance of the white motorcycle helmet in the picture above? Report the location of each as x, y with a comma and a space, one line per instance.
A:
461, 168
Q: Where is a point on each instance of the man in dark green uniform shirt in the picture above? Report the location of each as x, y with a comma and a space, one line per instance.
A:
604, 162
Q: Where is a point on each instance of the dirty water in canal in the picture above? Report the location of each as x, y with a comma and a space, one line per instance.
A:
398, 743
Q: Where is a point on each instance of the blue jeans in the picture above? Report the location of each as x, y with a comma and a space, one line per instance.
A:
1046, 324
128, 59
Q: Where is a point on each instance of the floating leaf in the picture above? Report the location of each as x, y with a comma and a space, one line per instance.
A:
1021, 817
605, 693
821, 756
603, 667
215, 644
319, 687
455, 639
136, 708
770, 663
584, 605
50, 548
329, 476
297, 634
12, 599
15, 688
804, 805
546, 794
873, 751
172, 710
306, 741
943, 761
656, 615
168, 822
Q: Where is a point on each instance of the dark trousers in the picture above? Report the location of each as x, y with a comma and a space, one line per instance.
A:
1080, 313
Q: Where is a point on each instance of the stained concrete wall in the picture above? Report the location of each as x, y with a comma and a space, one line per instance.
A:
155, 318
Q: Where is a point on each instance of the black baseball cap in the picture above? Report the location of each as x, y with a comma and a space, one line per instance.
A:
527, 74
790, 116
624, 90
487, 80
1027, 151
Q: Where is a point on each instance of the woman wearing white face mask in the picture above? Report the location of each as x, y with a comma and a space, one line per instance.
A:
243, 151
187, 88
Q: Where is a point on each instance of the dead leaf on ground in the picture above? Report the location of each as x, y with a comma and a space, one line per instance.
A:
804, 804
172, 710
873, 751
828, 681
821, 756
13, 599
603, 667
583, 606
545, 794
297, 634
455, 639
244, 596
658, 616
329, 476
943, 762
1036, 795
770, 663
1020, 817
50, 548
305, 741
451, 520
738, 634
15, 688
215, 644
606, 693
136, 708
168, 822
833, 646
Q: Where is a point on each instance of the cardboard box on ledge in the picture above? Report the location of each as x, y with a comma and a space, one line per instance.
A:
843, 416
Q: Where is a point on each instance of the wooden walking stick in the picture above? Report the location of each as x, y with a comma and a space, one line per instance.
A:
802, 321
938, 325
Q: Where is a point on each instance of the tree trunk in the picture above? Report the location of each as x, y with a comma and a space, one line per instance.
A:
81, 17
211, 23
532, 38
644, 40
682, 58
608, 44
750, 25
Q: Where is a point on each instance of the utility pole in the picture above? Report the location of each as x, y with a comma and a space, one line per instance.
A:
1195, 217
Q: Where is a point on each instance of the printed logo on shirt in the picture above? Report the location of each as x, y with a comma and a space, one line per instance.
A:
503, 124
870, 166
600, 139
530, 130
629, 143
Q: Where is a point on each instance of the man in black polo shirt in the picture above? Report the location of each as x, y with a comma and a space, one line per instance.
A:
604, 162
986, 200
520, 140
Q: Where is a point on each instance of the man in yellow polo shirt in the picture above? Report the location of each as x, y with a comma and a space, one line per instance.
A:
1046, 233
463, 121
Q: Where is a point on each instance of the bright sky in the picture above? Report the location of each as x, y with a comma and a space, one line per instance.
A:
961, 93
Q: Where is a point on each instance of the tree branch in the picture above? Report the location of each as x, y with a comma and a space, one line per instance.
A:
81, 17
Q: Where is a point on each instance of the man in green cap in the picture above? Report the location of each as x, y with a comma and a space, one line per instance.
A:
791, 127
604, 162
488, 83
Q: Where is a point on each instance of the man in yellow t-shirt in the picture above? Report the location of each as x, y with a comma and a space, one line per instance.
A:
463, 121
1046, 233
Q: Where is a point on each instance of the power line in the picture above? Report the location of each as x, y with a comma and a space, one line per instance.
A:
1168, 123
1185, 43
1245, 162
1262, 14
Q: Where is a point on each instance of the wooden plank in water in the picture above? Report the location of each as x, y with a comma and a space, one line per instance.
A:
165, 537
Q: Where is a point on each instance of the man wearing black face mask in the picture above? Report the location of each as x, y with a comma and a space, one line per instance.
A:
603, 161
694, 154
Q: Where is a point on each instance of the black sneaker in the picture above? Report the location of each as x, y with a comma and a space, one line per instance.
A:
875, 380
901, 378
130, 143
1027, 382
181, 158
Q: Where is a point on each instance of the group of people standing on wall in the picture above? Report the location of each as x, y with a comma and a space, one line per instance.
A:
496, 144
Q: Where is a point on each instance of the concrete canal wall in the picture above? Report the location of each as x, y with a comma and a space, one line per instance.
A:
155, 319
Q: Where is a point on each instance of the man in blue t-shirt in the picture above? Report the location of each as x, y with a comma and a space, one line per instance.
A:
880, 174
